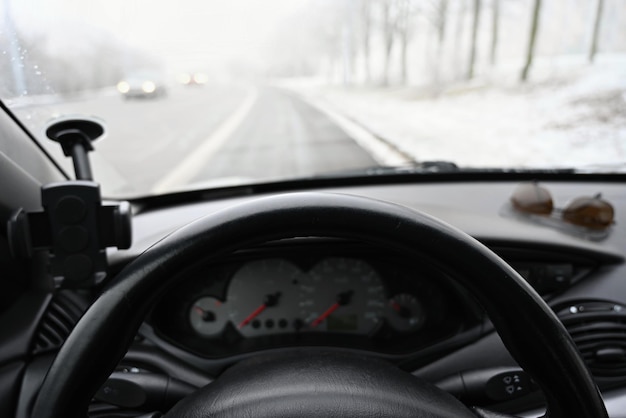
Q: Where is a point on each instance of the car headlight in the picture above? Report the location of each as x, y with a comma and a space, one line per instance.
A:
200, 78
123, 87
184, 78
148, 87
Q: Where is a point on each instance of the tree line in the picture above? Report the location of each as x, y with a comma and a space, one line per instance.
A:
375, 41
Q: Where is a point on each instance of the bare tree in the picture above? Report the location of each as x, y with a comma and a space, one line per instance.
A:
366, 29
329, 31
596, 30
404, 28
403, 36
440, 22
495, 18
476, 21
389, 28
458, 36
349, 41
438, 17
532, 40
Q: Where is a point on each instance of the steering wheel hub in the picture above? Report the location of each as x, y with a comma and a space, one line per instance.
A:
313, 383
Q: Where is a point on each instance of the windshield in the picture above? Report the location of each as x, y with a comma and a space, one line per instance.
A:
201, 93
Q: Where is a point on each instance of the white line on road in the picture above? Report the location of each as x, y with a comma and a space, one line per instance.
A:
194, 163
381, 151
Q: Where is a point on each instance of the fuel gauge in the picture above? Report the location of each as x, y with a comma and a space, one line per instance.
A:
208, 316
405, 313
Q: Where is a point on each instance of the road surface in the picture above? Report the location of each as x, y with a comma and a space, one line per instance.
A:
207, 136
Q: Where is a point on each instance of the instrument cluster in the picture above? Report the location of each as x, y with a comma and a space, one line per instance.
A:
369, 301
274, 296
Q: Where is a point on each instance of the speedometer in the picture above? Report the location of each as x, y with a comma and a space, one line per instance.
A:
263, 297
343, 295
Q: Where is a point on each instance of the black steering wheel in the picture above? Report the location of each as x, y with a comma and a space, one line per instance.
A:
320, 383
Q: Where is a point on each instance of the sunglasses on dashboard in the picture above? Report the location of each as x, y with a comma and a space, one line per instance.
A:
589, 212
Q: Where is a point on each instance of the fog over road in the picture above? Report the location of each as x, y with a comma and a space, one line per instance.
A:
282, 136
207, 135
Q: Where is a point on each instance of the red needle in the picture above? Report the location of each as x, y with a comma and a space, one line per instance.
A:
325, 315
198, 309
396, 306
342, 299
268, 300
253, 315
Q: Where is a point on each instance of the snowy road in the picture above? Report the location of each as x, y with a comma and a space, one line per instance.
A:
209, 136
281, 136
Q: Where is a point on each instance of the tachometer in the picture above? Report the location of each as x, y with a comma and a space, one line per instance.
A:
263, 297
342, 295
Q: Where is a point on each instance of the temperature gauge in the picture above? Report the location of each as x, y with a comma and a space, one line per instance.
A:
208, 316
405, 313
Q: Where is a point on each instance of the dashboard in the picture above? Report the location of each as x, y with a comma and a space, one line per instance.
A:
361, 298
317, 291
356, 297
314, 292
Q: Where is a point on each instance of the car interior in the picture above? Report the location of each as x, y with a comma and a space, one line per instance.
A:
426, 290
179, 309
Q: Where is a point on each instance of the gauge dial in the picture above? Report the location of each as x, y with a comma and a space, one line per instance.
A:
404, 313
263, 297
342, 295
208, 316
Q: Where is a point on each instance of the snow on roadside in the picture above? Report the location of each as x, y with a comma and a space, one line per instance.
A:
574, 118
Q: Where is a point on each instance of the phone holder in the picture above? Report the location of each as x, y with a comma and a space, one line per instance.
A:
75, 225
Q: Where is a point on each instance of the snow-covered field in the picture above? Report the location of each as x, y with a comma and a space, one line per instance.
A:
569, 114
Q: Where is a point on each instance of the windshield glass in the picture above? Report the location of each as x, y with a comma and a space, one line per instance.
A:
202, 93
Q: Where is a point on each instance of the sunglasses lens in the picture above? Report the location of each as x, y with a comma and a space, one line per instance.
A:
532, 198
591, 212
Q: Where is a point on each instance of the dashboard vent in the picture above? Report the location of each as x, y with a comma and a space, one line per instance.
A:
62, 314
599, 330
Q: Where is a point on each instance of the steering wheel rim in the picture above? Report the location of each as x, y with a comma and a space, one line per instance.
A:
528, 327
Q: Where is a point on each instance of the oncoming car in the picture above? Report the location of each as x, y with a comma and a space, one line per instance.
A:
371, 208
142, 85
193, 79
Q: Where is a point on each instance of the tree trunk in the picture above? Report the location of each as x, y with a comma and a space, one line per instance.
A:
367, 25
388, 36
441, 22
596, 31
403, 56
388, 47
532, 40
404, 31
494, 31
458, 36
472, 58
366, 59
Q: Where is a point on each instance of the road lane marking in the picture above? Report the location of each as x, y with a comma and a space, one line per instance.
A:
382, 151
195, 162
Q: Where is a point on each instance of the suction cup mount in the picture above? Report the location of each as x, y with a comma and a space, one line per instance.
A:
75, 227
